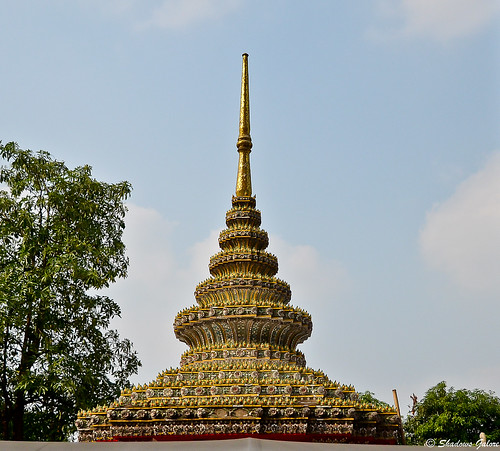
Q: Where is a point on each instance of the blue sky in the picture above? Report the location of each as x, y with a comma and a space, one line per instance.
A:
376, 163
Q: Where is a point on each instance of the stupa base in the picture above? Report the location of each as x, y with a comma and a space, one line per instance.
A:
316, 438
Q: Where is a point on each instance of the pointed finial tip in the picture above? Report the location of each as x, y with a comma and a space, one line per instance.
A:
245, 106
244, 144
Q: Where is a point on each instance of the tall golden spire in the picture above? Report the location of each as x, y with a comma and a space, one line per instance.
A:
242, 375
244, 144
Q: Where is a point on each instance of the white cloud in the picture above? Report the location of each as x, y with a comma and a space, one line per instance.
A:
312, 278
153, 291
178, 14
440, 20
146, 236
461, 236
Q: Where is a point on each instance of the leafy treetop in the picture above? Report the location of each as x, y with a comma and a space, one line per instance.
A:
60, 236
455, 415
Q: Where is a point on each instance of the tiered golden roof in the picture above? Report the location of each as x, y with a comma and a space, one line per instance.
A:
242, 374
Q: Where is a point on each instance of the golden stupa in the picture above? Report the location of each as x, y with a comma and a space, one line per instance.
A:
242, 375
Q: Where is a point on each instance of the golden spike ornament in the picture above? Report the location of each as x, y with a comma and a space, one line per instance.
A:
244, 144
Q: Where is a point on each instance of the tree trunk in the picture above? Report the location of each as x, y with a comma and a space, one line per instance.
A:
18, 416
5, 425
6, 415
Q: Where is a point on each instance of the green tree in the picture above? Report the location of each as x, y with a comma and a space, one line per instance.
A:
60, 236
455, 415
369, 398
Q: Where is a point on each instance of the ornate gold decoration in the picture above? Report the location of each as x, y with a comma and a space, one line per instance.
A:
242, 374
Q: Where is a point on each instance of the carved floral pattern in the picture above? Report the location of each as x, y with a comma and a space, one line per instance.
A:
235, 390
214, 390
